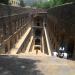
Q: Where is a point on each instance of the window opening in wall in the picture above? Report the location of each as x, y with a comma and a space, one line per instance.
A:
12, 1
37, 32
38, 24
37, 41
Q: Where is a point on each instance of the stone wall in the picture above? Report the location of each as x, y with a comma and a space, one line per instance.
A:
61, 25
6, 10
13, 24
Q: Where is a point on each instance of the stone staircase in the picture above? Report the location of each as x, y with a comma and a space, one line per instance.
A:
33, 53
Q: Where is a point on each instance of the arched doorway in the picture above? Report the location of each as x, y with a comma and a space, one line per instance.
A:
38, 21
37, 32
37, 41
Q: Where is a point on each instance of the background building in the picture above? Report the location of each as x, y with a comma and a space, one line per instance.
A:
14, 2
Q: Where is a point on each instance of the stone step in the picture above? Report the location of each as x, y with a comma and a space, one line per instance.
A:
33, 53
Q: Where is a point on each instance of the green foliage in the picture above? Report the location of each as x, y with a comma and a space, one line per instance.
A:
41, 5
22, 3
55, 2
4, 1
51, 3
48, 4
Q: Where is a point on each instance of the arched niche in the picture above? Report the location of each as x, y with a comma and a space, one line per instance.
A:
38, 21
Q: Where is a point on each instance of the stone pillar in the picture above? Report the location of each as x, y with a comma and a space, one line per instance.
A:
42, 44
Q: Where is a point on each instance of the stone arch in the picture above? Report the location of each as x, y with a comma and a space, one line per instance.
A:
38, 20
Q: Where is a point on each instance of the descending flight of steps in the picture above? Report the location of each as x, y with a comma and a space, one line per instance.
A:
33, 53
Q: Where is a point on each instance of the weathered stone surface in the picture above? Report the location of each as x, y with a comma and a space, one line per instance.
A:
35, 65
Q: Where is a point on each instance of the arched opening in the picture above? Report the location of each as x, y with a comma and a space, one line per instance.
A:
37, 32
38, 24
37, 41
38, 20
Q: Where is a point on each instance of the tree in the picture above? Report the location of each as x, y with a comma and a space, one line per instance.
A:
51, 3
41, 5
4, 1
55, 2
22, 3
65, 1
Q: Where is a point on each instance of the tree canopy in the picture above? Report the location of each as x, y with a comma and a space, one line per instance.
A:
51, 3
22, 3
